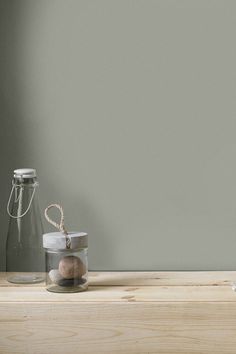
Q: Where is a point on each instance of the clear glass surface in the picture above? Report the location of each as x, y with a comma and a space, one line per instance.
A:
76, 261
25, 259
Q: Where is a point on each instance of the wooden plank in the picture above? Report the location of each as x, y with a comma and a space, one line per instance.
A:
123, 313
120, 328
122, 294
162, 278
150, 278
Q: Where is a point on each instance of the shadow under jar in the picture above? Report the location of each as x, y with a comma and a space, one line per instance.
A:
66, 261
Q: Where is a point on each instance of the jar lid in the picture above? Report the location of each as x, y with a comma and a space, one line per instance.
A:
25, 173
57, 240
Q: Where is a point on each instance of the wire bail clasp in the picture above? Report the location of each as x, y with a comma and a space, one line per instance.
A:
19, 199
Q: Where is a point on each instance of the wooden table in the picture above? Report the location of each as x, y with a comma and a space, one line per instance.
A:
123, 312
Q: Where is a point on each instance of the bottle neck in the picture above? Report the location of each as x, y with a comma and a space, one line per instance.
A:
22, 196
25, 181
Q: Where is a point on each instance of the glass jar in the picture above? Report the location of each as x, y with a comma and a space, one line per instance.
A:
66, 262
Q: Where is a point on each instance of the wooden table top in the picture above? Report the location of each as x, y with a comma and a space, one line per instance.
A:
122, 313
133, 286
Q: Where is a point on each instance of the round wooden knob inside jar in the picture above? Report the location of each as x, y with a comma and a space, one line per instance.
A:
71, 267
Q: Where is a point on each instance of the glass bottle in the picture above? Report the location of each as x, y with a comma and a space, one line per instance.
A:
25, 260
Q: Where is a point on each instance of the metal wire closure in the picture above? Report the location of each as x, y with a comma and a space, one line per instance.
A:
19, 198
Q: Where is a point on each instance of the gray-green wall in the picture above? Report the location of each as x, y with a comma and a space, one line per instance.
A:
127, 109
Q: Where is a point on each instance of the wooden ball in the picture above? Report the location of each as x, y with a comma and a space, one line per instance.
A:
71, 267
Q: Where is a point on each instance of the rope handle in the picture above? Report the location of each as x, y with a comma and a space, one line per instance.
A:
61, 225
19, 198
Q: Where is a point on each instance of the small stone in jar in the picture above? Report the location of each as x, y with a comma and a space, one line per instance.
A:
71, 267
55, 276
71, 282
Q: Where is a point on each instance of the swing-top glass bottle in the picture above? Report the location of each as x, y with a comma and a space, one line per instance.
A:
25, 260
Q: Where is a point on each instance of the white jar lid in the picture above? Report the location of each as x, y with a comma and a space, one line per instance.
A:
25, 173
57, 240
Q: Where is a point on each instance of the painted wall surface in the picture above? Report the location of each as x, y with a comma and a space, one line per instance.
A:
127, 109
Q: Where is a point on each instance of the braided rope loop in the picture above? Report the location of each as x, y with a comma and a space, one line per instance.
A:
61, 225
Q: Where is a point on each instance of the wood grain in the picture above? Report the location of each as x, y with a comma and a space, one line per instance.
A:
122, 294
150, 278
118, 328
162, 278
188, 314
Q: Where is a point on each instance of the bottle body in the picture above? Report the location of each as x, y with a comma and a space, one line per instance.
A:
25, 260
